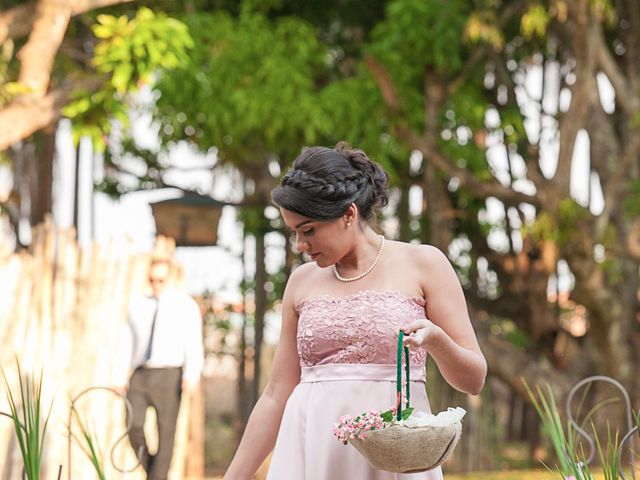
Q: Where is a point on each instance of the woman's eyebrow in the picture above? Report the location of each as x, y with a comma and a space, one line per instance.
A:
303, 223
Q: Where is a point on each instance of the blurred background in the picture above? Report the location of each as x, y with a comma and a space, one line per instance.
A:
510, 129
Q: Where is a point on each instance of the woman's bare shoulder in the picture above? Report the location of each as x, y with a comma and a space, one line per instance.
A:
420, 253
423, 264
301, 278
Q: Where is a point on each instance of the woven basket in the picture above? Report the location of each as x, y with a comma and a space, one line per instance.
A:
402, 449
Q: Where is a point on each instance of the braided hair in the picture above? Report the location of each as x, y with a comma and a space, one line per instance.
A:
323, 182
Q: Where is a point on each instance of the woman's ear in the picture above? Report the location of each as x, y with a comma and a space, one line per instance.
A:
351, 215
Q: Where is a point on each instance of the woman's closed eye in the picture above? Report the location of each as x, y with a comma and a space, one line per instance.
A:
305, 233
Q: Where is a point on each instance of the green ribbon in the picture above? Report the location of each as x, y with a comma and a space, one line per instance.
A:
402, 348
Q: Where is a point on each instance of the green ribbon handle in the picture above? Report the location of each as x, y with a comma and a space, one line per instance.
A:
402, 348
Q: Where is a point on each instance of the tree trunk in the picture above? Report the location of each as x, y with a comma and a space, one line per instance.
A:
404, 215
241, 386
41, 181
439, 210
260, 296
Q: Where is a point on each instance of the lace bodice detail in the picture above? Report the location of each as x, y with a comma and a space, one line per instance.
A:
356, 328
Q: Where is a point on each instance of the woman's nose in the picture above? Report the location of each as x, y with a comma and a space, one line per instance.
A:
301, 244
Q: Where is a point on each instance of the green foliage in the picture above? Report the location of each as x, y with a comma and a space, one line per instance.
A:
512, 126
128, 53
570, 217
8, 88
92, 114
390, 415
261, 5
510, 332
254, 221
606, 10
250, 88
130, 50
358, 114
544, 228
612, 267
534, 22
463, 118
482, 27
562, 225
29, 426
632, 199
436, 45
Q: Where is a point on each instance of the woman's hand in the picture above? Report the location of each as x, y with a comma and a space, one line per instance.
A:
420, 333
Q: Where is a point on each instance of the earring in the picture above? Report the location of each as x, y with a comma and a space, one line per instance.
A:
348, 224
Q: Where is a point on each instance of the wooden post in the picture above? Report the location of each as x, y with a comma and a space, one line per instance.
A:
195, 442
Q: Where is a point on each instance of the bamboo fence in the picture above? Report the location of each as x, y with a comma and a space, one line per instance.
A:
62, 309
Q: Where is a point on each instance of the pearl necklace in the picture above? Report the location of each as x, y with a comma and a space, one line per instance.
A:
366, 272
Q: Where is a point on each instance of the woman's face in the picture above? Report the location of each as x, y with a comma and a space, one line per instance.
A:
324, 241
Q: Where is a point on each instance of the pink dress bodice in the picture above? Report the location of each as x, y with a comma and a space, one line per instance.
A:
356, 328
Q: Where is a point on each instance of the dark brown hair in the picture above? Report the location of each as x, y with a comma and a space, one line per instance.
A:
323, 182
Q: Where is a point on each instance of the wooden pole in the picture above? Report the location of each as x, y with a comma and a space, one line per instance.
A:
195, 444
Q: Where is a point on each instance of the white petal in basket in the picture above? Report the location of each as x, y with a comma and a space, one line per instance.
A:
446, 417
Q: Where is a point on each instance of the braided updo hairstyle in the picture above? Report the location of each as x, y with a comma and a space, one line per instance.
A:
323, 182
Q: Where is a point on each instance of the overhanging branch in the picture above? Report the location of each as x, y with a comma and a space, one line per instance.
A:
18, 21
28, 114
481, 189
512, 364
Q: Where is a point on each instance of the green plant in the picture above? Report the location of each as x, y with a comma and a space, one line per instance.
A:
87, 442
609, 458
563, 441
30, 427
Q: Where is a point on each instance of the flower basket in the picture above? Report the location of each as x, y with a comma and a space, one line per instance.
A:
403, 445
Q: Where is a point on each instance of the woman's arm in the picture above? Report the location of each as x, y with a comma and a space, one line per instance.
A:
262, 428
447, 333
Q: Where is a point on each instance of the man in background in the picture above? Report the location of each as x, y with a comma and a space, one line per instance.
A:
163, 346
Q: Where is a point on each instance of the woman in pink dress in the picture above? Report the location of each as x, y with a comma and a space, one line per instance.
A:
340, 316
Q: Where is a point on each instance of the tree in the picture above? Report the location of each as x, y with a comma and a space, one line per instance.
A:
460, 94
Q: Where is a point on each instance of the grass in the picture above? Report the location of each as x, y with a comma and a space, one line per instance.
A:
29, 422
88, 443
563, 441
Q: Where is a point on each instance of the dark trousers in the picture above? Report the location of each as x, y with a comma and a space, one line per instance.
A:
160, 388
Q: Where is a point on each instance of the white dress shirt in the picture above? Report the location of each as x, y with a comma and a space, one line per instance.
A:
177, 337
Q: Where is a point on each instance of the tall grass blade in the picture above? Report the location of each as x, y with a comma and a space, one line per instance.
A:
563, 442
86, 440
609, 458
30, 428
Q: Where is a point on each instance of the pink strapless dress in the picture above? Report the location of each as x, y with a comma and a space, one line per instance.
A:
347, 347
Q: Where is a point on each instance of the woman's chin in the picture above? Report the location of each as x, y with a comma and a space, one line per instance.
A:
320, 262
